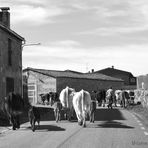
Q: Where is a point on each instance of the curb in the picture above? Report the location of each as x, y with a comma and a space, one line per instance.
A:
5, 130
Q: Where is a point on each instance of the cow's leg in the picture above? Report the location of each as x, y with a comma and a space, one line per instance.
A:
90, 119
84, 119
59, 115
38, 121
93, 117
103, 102
69, 115
33, 125
13, 122
56, 115
80, 122
84, 122
17, 121
123, 103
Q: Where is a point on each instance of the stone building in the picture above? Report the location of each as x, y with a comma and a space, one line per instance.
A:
10, 56
127, 77
40, 81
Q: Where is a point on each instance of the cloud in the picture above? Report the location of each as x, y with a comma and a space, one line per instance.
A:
65, 43
35, 15
54, 56
112, 31
101, 33
33, 12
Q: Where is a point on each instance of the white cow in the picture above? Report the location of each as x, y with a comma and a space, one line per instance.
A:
118, 95
81, 103
65, 98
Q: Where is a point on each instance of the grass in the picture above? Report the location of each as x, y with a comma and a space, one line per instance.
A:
141, 112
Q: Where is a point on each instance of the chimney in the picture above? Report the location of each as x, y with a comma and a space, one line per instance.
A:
112, 67
92, 70
5, 16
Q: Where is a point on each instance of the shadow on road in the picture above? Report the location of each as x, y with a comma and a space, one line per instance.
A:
108, 117
108, 114
45, 128
113, 124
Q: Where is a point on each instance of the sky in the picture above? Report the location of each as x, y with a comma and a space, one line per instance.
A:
82, 35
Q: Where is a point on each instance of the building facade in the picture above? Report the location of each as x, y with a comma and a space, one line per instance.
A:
41, 81
142, 82
130, 81
10, 56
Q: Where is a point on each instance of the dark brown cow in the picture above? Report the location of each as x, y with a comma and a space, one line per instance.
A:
100, 96
45, 97
57, 110
125, 98
92, 111
13, 106
34, 116
56, 104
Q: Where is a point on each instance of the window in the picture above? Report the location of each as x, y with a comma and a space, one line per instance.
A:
9, 85
32, 90
9, 52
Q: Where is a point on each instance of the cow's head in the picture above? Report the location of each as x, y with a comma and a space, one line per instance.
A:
71, 92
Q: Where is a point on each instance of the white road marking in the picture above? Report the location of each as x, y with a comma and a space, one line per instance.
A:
143, 128
138, 121
146, 133
140, 124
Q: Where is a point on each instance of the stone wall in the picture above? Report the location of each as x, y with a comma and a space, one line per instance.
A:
44, 84
12, 71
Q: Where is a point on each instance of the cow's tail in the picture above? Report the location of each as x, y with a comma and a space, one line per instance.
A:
82, 100
67, 101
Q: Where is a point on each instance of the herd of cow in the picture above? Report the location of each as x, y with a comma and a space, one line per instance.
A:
82, 103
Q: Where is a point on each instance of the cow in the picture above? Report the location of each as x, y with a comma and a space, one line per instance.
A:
81, 103
92, 111
66, 96
123, 97
57, 106
34, 116
53, 97
109, 97
117, 94
13, 106
45, 97
93, 106
100, 96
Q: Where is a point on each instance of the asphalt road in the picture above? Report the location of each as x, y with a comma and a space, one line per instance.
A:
116, 128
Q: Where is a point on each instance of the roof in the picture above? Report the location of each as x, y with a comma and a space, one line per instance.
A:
72, 74
11, 32
113, 71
